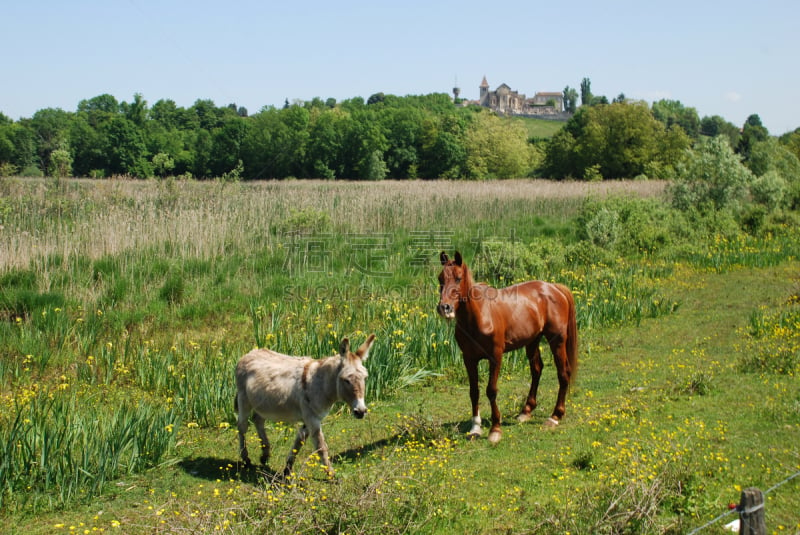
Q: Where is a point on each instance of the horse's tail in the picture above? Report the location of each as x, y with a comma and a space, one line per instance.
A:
572, 333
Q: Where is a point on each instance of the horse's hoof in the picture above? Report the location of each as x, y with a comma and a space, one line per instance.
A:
494, 437
524, 417
550, 423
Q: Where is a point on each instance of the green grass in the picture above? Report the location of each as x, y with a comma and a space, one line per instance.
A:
540, 128
116, 396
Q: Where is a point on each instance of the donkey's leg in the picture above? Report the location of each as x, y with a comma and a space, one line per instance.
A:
535, 362
258, 420
558, 347
300, 439
491, 393
474, 395
321, 447
242, 424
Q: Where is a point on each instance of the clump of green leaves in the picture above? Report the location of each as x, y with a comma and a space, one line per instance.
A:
773, 341
711, 177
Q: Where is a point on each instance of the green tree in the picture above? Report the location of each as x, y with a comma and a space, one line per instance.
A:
711, 177
166, 114
586, 92
791, 140
324, 148
226, 150
375, 168
50, 127
136, 111
673, 112
570, 99
163, 164
88, 146
403, 127
376, 98
363, 136
496, 148
752, 132
60, 164
98, 110
717, 126
620, 140
125, 148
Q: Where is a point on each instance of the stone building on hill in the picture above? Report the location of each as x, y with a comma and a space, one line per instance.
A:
506, 101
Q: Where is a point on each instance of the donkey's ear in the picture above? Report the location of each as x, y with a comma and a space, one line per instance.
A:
458, 259
344, 347
443, 258
363, 351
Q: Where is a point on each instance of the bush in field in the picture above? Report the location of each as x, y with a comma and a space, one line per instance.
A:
770, 157
507, 261
769, 189
711, 177
771, 342
305, 221
628, 225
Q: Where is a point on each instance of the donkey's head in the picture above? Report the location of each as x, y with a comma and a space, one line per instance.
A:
351, 383
451, 284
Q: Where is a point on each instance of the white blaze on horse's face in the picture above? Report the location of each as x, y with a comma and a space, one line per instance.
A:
450, 286
351, 383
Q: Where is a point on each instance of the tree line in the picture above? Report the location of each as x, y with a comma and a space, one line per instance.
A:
386, 136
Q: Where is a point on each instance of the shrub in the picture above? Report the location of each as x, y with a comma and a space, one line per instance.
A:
305, 221
507, 261
769, 189
628, 225
711, 176
173, 289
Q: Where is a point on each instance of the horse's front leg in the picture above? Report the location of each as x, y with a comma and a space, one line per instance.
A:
536, 365
491, 393
471, 364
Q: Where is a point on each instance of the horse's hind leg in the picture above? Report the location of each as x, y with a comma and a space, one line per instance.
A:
536, 365
558, 346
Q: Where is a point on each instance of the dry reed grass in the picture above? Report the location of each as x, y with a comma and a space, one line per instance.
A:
201, 219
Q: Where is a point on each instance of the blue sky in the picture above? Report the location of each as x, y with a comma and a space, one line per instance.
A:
728, 58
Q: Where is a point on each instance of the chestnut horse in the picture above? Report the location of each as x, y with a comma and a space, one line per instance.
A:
491, 321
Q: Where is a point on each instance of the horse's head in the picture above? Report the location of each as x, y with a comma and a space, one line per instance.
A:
451, 284
351, 383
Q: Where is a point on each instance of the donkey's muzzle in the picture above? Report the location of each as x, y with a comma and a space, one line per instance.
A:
359, 413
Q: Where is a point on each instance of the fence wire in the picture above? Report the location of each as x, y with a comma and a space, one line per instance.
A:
736, 510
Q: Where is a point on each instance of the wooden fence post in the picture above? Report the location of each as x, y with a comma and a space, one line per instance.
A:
752, 520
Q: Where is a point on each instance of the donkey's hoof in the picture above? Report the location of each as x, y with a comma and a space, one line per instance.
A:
473, 435
494, 437
524, 417
550, 423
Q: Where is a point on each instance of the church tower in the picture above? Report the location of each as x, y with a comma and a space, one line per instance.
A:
484, 87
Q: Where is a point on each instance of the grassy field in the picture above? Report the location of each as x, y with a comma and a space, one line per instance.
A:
540, 128
124, 306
